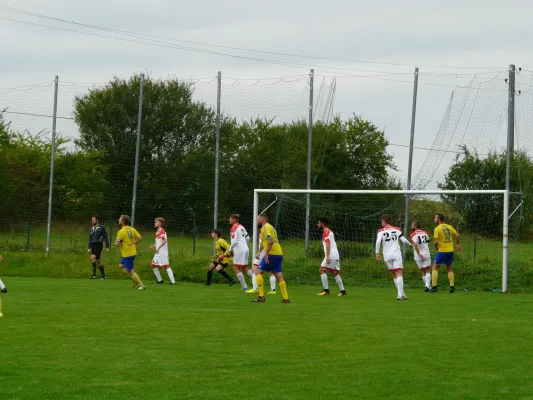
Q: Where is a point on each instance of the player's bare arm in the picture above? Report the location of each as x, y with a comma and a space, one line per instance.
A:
417, 249
118, 243
258, 255
269, 247
436, 244
328, 248
457, 243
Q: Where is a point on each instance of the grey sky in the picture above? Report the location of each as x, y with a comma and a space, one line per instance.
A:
439, 33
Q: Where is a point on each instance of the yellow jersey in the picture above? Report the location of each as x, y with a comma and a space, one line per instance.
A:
127, 237
444, 234
268, 232
222, 248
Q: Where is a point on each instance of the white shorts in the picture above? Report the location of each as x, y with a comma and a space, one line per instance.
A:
425, 263
334, 265
160, 260
394, 264
240, 257
257, 261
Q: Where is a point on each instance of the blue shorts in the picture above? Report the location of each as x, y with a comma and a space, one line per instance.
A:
127, 262
444, 258
275, 264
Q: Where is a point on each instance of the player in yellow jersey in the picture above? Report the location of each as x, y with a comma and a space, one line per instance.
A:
3, 290
443, 241
128, 239
220, 260
272, 260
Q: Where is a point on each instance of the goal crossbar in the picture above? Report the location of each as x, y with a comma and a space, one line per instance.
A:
504, 193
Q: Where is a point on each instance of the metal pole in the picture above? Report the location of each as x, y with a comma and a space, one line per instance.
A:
510, 149
137, 150
410, 166
309, 158
52, 159
255, 231
217, 150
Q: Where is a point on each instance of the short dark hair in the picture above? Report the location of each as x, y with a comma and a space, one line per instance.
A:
264, 216
386, 218
440, 217
126, 220
96, 216
324, 220
235, 216
217, 232
417, 224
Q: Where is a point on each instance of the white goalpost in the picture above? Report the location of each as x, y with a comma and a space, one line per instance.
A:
406, 193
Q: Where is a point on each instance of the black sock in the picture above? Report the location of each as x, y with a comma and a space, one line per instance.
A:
101, 268
94, 269
209, 276
224, 274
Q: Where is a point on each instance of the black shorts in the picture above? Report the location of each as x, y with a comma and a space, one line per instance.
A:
96, 249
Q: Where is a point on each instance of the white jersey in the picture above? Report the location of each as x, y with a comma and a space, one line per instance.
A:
329, 237
239, 238
421, 238
390, 237
159, 237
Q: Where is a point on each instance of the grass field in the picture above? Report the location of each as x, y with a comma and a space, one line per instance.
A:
81, 339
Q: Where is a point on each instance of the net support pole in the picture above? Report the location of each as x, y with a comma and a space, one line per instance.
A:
309, 159
255, 229
510, 151
217, 150
52, 162
410, 166
137, 149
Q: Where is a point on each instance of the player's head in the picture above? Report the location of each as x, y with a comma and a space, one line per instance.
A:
262, 219
439, 218
124, 220
322, 223
234, 219
95, 219
216, 233
386, 220
159, 222
416, 225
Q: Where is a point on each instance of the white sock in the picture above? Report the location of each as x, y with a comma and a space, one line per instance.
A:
395, 282
240, 276
428, 280
2, 286
254, 282
272, 283
171, 275
338, 279
399, 283
324, 278
157, 274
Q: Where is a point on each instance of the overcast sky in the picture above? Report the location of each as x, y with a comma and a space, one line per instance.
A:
431, 34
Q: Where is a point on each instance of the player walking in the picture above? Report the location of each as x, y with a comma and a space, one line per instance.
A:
331, 261
220, 260
239, 250
443, 237
3, 290
390, 237
127, 239
97, 237
422, 254
160, 259
272, 260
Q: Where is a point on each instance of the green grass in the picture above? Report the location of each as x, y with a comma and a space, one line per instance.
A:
81, 339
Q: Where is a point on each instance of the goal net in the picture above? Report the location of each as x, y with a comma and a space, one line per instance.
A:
487, 262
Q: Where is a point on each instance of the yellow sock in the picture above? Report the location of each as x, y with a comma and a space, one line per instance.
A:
434, 277
137, 280
283, 288
451, 278
260, 284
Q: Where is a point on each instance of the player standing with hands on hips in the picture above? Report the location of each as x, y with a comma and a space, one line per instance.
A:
3, 290
97, 237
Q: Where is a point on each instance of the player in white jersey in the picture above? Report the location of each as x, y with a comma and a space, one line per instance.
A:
331, 260
390, 237
255, 270
239, 250
161, 259
422, 254
3, 290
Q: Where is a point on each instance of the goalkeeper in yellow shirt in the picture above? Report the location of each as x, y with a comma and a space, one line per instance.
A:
220, 260
127, 239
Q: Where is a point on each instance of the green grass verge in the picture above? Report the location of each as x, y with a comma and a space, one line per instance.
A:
82, 339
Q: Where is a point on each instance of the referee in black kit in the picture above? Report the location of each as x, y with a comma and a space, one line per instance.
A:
97, 235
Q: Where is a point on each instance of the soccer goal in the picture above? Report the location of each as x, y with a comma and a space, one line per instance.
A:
488, 222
